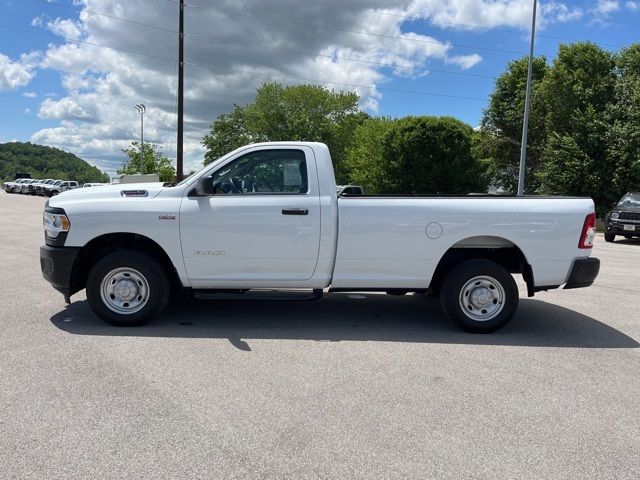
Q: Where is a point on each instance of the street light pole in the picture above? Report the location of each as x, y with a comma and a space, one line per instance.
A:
527, 101
179, 145
141, 108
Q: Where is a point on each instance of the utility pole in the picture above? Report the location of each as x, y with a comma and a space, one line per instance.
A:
179, 151
141, 108
527, 101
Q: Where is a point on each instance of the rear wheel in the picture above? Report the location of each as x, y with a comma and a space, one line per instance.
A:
479, 296
609, 237
127, 288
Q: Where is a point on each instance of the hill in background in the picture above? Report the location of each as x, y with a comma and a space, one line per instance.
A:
45, 162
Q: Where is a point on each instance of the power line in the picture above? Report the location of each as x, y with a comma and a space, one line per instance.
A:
252, 72
319, 55
114, 17
61, 37
355, 85
419, 18
454, 24
415, 18
356, 32
397, 37
358, 60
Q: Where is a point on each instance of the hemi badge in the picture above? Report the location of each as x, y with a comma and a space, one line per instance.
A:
166, 217
134, 193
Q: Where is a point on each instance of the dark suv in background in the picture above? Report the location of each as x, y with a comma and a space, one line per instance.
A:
624, 218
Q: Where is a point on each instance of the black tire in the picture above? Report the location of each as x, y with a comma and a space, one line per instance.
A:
501, 285
152, 272
609, 237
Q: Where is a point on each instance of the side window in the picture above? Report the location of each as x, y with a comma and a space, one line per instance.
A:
264, 172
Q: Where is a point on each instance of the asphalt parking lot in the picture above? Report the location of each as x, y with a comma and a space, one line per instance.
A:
348, 387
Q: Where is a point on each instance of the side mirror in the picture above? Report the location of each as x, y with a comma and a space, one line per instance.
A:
204, 186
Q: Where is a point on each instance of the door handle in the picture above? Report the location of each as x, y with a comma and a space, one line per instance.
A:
295, 211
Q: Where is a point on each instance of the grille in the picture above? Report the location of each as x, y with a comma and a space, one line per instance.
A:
629, 216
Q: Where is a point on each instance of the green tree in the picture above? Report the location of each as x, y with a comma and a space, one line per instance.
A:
623, 119
430, 155
364, 160
578, 91
228, 132
151, 161
45, 162
281, 113
567, 169
501, 125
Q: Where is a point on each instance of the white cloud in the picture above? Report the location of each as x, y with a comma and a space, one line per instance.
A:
27, 111
30, 94
554, 12
606, 7
18, 73
66, 28
467, 14
38, 21
239, 45
633, 6
465, 61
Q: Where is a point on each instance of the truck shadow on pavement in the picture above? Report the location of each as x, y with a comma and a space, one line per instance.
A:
344, 317
628, 241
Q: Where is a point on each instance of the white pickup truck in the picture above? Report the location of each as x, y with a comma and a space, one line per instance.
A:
267, 216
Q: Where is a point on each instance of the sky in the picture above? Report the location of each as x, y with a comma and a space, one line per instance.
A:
71, 70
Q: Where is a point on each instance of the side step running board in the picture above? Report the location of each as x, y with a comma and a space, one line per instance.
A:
258, 294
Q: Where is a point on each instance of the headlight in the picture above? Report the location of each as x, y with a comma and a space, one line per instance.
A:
614, 215
54, 223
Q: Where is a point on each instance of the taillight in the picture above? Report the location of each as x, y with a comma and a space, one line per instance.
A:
588, 232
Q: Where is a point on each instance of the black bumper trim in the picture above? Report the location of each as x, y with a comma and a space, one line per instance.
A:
57, 265
583, 272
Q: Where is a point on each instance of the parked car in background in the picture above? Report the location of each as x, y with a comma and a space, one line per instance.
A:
87, 185
24, 186
140, 178
13, 187
32, 189
57, 188
43, 184
624, 218
46, 189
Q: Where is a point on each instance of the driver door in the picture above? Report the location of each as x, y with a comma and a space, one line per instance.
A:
261, 227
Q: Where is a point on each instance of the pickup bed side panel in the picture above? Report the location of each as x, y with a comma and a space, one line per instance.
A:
397, 242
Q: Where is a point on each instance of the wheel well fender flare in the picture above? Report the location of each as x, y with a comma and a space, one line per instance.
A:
494, 248
104, 244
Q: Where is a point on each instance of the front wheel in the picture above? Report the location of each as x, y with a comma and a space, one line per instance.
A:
609, 237
127, 288
479, 296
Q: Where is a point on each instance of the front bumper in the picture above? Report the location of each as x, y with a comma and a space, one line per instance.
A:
583, 272
57, 265
618, 228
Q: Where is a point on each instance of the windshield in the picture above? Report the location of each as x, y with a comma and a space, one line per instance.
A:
630, 201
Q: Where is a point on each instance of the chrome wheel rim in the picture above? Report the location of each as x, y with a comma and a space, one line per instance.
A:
482, 298
124, 291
